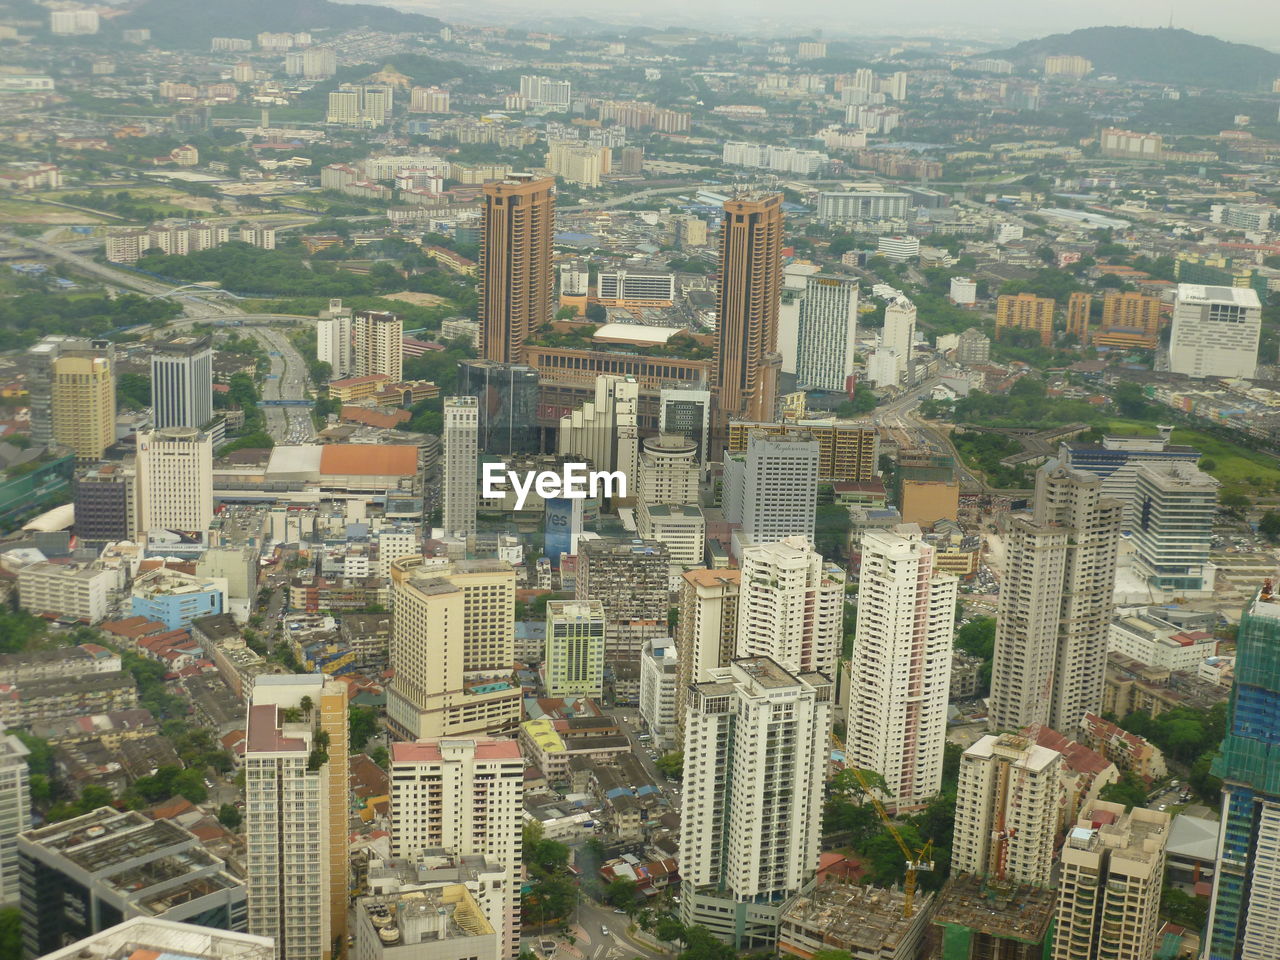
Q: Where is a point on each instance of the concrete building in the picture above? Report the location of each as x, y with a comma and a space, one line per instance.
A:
1173, 528
964, 291
443, 924
899, 335
452, 648
148, 936
463, 796
604, 431
1007, 806
333, 342
669, 470
175, 486
630, 579
507, 403
1215, 331
1110, 885
755, 748
635, 288
1116, 459
182, 383
790, 606
1148, 639
847, 449
659, 667
771, 490
862, 205
898, 249
79, 591
1067, 65
1026, 311
175, 598
295, 818
573, 661
15, 811
747, 361
544, 93
828, 333
1055, 605
460, 455
1128, 313
106, 507
680, 527
378, 345
707, 629
900, 672
517, 282
868, 923
73, 395
686, 412
973, 348
979, 921
83, 876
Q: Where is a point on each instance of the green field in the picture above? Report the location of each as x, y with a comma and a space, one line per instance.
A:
1239, 469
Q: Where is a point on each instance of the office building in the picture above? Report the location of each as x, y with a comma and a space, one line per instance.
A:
1110, 885
680, 527
1055, 604
1173, 528
964, 291
900, 671
459, 452
1115, 462
378, 345
899, 334
463, 796
746, 358
659, 667
669, 470
1245, 911
333, 341
1007, 808
1026, 311
543, 93
73, 395
635, 288
828, 334
15, 811
630, 579
82, 876
755, 749
898, 249
604, 432
790, 606
517, 283
847, 449
506, 403
573, 658
105, 504
452, 648
295, 817
771, 489
146, 936
686, 412
175, 598
175, 485
78, 591
707, 629
1215, 331
182, 383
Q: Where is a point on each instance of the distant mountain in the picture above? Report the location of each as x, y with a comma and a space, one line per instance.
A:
1159, 55
191, 23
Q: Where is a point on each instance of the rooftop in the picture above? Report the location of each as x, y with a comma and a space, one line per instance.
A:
148, 938
433, 751
1022, 913
854, 918
1200, 293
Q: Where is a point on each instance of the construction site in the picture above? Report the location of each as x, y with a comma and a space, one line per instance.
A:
981, 921
871, 923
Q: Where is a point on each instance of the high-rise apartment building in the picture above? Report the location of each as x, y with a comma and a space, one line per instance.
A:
1173, 527
1007, 805
1130, 311
428, 100
573, 663
707, 629
790, 606
378, 344
460, 457
517, 282
1026, 311
1079, 310
746, 358
1066, 65
175, 483
1245, 912
73, 395
1110, 885
847, 449
899, 334
182, 382
543, 93
828, 334
452, 648
755, 747
629, 577
333, 340
659, 667
686, 412
463, 795
507, 403
771, 489
15, 811
900, 671
1215, 331
360, 105
295, 819
1055, 604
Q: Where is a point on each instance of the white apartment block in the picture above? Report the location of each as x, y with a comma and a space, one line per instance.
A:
860, 205
790, 606
899, 332
828, 333
1110, 884
175, 481
900, 671
659, 667
543, 93
465, 796
573, 661
460, 457
1215, 331
333, 344
72, 23
707, 628
772, 489
1173, 528
1157, 643
755, 749
1007, 805
80, 591
15, 811
898, 249
378, 344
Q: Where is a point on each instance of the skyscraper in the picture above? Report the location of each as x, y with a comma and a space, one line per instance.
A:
573, 665
1055, 604
378, 344
828, 336
507, 403
629, 577
182, 383
899, 334
771, 490
15, 811
790, 606
462, 795
106, 504
707, 629
175, 483
604, 431
900, 671
452, 648
460, 464
1215, 331
747, 359
82, 397
295, 819
517, 283
1173, 527
333, 339
755, 748
1245, 912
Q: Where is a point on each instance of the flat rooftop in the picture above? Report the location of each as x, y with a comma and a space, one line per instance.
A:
146, 938
1201, 293
1020, 913
855, 918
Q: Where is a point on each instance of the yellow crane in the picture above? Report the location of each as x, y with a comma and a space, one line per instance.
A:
918, 862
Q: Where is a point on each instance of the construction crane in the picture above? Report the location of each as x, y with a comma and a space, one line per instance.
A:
919, 862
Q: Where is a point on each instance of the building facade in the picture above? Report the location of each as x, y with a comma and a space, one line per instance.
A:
573, 662
460, 453
828, 334
1215, 332
517, 282
182, 383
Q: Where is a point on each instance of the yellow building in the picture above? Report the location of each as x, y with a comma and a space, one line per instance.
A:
1129, 319
1078, 309
847, 449
83, 409
1026, 311
927, 501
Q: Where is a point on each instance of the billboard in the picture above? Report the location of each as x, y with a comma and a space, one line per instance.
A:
563, 524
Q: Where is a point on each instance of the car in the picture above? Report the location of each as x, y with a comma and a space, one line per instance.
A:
1162, 807
604, 931
620, 911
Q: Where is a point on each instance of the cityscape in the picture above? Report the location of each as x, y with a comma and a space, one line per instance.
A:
532, 483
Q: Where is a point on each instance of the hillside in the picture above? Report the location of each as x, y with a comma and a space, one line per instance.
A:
191, 23
1161, 55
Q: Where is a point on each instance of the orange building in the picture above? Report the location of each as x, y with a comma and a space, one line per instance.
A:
1078, 308
1026, 311
1130, 319
517, 282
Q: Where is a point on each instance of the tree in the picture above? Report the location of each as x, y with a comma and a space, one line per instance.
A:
669, 929
1183, 909
1236, 503
133, 391
701, 945
229, 816
597, 313
10, 932
380, 757
1269, 526
671, 765
621, 893
566, 313
362, 723
1128, 790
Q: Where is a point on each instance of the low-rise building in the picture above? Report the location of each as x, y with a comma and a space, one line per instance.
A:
24, 704
1128, 751
1158, 643
867, 922
441, 924
79, 591
175, 599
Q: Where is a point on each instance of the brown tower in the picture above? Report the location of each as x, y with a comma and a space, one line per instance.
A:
516, 280
747, 359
